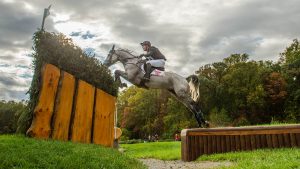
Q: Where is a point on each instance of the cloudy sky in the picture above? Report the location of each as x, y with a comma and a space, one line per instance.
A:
191, 33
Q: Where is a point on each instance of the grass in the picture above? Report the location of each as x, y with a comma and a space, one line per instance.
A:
20, 152
158, 150
17, 151
285, 158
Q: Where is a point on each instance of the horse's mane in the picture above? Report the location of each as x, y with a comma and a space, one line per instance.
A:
127, 51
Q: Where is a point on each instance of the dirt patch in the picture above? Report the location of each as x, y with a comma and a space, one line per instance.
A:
176, 164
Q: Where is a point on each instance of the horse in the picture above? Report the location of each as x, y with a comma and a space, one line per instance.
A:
186, 90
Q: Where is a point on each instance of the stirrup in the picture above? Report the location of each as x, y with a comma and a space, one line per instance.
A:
146, 78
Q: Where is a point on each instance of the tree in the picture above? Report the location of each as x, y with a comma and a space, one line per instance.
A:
290, 61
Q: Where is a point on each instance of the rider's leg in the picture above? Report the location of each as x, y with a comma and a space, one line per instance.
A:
147, 71
158, 63
149, 64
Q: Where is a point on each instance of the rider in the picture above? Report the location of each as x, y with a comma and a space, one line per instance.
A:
154, 56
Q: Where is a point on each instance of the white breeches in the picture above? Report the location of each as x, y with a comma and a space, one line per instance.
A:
157, 63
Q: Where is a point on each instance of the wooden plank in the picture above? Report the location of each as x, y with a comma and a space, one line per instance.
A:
63, 107
274, 140
223, 144
246, 130
209, 145
201, 145
218, 149
257, 141
286, 139
192, 147
243, 143
232, 143
227, 140
297, 136
197, 142
42, 115
248, 142
213, 144
237, 143
82, 124
252, 141
293, 140
205, 144
184, 148
269, 141
263, 141
280, 140
103, 119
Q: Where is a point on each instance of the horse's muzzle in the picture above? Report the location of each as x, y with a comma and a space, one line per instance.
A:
106, 63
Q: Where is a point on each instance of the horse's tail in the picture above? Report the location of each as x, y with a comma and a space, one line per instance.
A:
194, 84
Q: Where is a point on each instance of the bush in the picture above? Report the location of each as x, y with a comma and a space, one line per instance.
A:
9, 114
219, 118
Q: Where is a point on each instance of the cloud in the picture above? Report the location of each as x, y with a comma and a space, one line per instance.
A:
190, 33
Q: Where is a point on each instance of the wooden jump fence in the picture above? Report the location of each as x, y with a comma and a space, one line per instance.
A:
196, 142
71, 109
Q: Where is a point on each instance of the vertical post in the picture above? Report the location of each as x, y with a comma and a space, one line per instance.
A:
46, 13
116, 143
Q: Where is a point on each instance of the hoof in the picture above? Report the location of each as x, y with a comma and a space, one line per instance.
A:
123, 85
206, 124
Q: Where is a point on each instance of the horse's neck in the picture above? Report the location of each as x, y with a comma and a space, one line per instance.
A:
127, 58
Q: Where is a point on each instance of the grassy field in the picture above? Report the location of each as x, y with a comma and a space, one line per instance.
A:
267, 158
158, 150
286, 158
22, 152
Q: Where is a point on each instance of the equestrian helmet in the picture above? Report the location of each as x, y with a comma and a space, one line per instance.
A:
146, 43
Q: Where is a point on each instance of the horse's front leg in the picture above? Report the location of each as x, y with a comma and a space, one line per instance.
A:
118, 75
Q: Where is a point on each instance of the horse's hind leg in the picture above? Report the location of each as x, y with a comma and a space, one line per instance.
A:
185, 98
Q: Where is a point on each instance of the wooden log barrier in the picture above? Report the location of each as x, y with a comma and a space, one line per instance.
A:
71, 109
196, 142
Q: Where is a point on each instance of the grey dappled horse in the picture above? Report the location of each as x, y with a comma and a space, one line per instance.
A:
185, 90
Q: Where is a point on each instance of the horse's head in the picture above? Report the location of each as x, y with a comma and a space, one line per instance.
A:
122, 55
111, 58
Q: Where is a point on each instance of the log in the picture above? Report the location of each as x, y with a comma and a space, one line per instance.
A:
82, 124
40, 126
63, 108
103, 119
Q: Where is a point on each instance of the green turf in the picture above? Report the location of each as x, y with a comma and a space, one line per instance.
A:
158, 150
285, 158
20, 152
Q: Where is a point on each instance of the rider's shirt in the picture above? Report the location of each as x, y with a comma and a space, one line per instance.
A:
155, 53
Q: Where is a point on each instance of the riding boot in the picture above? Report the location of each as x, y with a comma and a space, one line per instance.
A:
148, 71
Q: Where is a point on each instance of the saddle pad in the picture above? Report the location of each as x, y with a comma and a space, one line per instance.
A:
157, 72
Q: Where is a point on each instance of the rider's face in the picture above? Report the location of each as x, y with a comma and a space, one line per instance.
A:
145, 47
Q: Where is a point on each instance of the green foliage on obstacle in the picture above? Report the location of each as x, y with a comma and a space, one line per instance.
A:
57, 49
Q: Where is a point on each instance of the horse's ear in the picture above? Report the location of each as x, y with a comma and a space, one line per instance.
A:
113, 48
